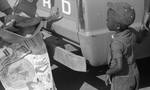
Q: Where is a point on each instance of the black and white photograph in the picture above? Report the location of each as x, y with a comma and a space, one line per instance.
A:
74, 44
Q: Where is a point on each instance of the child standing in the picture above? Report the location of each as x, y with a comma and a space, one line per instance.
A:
123, 69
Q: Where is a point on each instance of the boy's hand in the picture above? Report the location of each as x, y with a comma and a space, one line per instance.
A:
107, 80
145, 27
8, 20
146, 23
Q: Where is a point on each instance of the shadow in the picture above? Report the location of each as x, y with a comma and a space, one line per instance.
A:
144, 66
1, 86
96, 82
66, 79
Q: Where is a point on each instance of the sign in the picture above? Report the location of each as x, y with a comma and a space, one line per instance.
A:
66, 7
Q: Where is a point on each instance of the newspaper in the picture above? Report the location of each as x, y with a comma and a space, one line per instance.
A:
26, 65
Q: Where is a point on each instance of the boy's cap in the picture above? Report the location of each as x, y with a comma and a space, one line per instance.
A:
125, 13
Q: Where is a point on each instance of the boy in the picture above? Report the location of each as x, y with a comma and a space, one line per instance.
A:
123, 69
